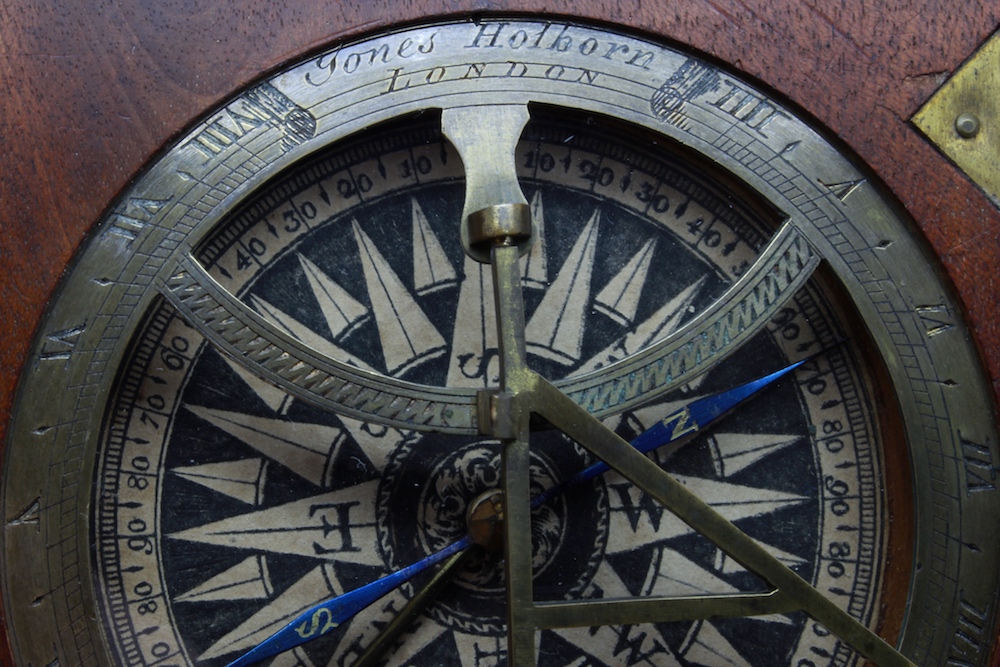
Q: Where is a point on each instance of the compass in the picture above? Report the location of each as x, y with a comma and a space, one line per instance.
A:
471, 256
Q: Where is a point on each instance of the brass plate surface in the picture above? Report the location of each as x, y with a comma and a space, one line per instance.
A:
974, 89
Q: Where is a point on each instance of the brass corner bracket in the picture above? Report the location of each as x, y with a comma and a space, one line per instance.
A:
963, 118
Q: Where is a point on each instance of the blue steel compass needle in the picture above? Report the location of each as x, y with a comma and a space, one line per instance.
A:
686, 421
328, 615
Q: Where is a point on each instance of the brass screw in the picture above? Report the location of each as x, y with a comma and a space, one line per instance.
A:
967, 125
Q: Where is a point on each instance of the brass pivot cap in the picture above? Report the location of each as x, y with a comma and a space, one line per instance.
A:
500, 224
485, 520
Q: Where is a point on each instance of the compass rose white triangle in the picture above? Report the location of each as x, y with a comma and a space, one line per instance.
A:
646, 416
662, 323
673, 574
708, 648
297, 657
365, 627
273, 396
307, 449
317, 585
734, 452
473, 650
619, 299
247, 580
242, 479
296, 329
474, 343
377, 442
407, 335
635, 516
605, 642
343, 313
432, 270
731, 452
336, 526
476, 650
534, 266
556, 329
725, 563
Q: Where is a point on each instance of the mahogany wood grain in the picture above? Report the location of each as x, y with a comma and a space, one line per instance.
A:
89, 92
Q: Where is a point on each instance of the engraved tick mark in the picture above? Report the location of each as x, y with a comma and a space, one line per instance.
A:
27, 516
789, 147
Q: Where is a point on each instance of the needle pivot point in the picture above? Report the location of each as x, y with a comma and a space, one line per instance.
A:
485, 520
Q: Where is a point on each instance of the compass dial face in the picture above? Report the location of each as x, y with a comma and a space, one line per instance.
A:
264, 506
270, 396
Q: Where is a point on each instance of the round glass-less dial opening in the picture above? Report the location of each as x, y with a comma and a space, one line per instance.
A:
227, 506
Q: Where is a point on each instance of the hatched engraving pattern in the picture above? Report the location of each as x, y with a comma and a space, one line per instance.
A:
785, 265
247, 337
